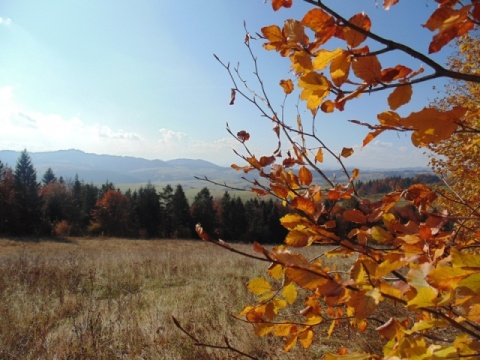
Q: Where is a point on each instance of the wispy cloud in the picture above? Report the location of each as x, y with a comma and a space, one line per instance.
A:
5, 21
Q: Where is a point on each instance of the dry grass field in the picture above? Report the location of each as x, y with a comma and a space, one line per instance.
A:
114, 299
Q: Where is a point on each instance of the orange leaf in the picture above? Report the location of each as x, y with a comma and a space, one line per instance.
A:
305, 176
355, 216
432, 125
353, 37
327, 106
317, 19
388, 3
277, 4
346, 152
305, 205
400, 96
319, 156
371, 135
287, 86
367, 68
280, 191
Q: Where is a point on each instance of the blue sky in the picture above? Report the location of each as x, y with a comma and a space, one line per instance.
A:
138, 78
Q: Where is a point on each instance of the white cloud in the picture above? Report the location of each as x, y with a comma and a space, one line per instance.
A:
23, 128
5, 21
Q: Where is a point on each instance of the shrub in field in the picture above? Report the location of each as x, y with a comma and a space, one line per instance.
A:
421, 265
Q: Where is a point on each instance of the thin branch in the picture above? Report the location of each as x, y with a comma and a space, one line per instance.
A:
440, 71
227, 345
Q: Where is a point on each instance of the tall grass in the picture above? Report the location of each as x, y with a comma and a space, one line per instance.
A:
115, 298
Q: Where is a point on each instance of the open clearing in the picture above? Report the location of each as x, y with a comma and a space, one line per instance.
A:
114, 298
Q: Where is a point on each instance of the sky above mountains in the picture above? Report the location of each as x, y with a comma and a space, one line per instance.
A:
138, 78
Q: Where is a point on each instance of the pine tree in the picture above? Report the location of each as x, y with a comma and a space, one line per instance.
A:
203, 211
182, 224
148, 210
48, 177
166, 198
27, 199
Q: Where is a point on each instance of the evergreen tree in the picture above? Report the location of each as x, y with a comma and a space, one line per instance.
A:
8, 210
27, 198
166, 198
148, 210
48, 177
181, 214
203, 211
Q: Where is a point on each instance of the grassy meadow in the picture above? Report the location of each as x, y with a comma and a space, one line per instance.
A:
114, 298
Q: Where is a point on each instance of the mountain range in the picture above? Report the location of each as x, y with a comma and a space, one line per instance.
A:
97, 169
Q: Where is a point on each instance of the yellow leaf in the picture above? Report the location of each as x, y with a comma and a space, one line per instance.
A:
306, 338
465, 260
315, 88
400, 96
298, 237
290, 342
474, 313
259, 286
325, 57
346, 152
340, 68
380, 235
446, 277
283, 330
319, 156
331, 328
289, 292
275, 271
301, 62
262, 329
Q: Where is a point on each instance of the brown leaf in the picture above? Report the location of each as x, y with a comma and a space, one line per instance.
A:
346, 152
355, 216
232, 97
243, 136
368, 69
327, 106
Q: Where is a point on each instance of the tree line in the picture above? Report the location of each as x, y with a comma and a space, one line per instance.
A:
55, 206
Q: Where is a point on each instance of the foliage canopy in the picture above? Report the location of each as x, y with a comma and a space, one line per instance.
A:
427, 262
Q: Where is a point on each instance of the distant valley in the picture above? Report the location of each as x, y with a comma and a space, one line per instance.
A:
133, 171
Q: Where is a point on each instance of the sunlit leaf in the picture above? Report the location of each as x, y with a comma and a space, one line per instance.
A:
325, 57
400, 96
306, 338
367, 68
259, 286
289, 292
305, 176
319, 155
346, 152
287, 86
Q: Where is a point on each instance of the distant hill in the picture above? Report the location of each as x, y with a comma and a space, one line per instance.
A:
117, 169
98, 169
